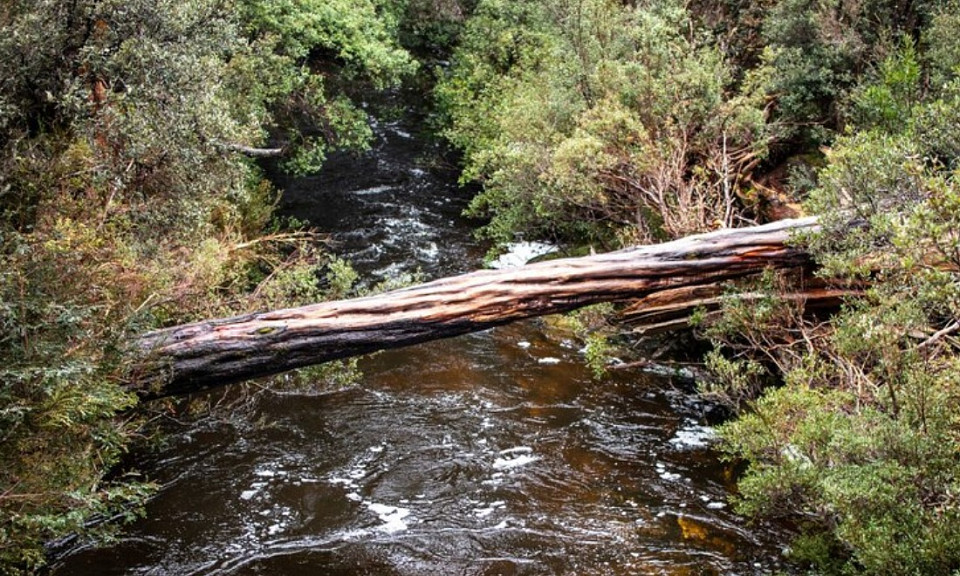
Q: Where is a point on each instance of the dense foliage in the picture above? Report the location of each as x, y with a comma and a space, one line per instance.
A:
860, 443
125, 203
613, 122
128, 200
591, 120
599, 121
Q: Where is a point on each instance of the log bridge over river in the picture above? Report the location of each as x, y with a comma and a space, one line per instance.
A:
664, 281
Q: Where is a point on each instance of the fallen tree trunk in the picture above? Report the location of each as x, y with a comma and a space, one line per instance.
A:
195, 357
669, 310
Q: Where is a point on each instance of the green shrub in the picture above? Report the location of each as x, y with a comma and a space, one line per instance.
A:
859, 444
597, 122
125, 204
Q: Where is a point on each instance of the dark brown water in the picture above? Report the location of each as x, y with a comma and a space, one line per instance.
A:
492, 453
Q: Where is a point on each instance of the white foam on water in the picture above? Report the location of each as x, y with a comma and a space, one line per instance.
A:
254, 489
694, 436
429, 251
495, 480
353, 534
391, 516
548, 361
519, 253
357, 473
483, 512
351, 477
488, 510
511, 463
372, 191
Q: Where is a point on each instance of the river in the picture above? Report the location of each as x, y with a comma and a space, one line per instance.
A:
493, 453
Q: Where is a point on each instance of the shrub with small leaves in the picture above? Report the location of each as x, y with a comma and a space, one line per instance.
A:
858, 445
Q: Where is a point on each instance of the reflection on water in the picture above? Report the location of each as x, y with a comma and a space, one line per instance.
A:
492, 453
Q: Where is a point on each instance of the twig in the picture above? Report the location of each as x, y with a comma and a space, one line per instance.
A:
949, 329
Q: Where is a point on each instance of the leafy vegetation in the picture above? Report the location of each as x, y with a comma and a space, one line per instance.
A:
599, 122
861, 441
126, 202
609, 122
606, 122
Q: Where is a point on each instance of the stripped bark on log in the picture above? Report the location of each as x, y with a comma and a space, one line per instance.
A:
202, 355
669, 310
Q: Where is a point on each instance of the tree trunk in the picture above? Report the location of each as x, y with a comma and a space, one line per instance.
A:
668, 310
202, 355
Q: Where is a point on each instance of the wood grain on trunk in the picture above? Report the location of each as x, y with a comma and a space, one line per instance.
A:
668, 310
202, 355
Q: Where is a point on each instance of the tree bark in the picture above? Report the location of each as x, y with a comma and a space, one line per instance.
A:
194, 357
668, 310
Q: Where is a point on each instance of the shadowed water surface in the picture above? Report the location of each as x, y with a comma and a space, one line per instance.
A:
492, 453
